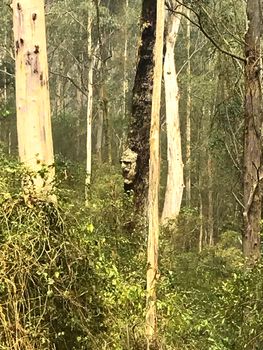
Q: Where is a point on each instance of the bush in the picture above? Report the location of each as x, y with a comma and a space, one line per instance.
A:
69, 276
73, 276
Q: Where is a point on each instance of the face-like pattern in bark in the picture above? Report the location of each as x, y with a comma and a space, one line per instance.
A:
128, 166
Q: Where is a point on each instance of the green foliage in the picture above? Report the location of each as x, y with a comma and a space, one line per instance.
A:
66, 281
45, 295
73, 276
183, 233
211, 301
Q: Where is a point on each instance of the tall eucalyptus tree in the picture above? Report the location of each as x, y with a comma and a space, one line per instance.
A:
253, 132
175, 177
154, 179
32, 93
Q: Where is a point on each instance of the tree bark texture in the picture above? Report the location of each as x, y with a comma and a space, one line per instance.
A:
139, 125
32, 91
252, 137
175, 180
154, 179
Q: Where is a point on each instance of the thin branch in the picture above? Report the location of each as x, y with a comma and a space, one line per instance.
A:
192, 54
232, 158
218, 31
72, 55
10, 52
7, 73
200, 26
239, 202
76, 20
71, 80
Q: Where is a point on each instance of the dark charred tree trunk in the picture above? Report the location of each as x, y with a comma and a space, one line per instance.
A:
139, 126
252, 137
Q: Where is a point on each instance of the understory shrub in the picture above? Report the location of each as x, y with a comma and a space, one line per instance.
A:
72, 276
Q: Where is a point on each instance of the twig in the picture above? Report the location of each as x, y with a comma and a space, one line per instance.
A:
7, 73
200, 26
71, 80
239, 202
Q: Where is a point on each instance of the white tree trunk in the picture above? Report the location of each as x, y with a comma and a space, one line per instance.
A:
175, 182
32, 92
154, 178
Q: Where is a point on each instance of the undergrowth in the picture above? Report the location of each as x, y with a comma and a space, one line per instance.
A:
63, 280
47, 301
72, 275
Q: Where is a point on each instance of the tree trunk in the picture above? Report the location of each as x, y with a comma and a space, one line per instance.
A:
125, 75
104, 105
89, 111
32, 93
188, 115
139, 125
201, 228
99, 136
107, 126
5, 69
200, 170
80, 101
5, 127
58, 104
154, 179
252, 137
210, 223
175, 181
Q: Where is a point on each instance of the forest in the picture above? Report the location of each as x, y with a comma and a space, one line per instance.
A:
131, 175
